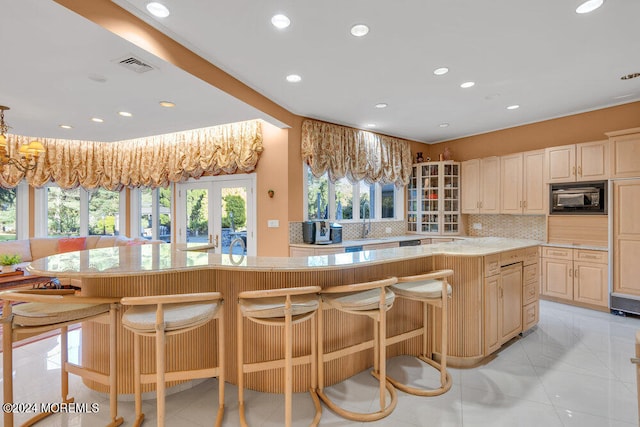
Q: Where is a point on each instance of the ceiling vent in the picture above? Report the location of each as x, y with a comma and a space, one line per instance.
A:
134, 64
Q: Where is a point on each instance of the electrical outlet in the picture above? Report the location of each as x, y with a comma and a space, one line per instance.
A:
477, 226
387, 230
273, 223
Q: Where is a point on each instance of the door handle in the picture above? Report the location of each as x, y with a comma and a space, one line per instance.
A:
213, 241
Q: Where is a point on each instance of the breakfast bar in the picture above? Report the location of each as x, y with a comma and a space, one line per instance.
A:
490, 303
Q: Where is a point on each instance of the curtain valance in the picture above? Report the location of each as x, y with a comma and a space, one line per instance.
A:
151, 162
356, 154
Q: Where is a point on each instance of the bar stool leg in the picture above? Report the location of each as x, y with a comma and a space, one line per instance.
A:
137, 383
240, 361
221, 367
64, 358
113, 367
7, 364
160, 367
288, 365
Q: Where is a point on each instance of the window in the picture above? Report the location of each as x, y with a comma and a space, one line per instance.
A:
8, 214
77, 212
336, 201
151, 213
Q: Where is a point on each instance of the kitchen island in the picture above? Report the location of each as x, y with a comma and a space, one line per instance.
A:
482, 313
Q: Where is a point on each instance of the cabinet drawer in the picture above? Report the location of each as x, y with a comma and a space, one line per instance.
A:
530, 315
531, 255
531, 274
511, 257
557, 253
491, 265
530, 293
592, 256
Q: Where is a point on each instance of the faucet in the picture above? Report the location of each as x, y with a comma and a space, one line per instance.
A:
366, 229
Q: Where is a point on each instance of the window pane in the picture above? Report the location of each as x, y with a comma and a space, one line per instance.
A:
63, 212
388, 201
8, 214
344, 199
145, 224
317, 196
164, 201
367, 200
104, 212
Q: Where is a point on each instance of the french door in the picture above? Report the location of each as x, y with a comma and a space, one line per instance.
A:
219, 211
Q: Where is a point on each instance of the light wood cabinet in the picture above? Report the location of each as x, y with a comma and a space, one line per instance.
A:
588, 161
433, 198
522, 187
510, 302
480, 186
625, 153
626, 237
575, 275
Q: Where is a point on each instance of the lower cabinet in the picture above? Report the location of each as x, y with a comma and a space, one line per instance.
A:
575, 276
295, 251
511, 303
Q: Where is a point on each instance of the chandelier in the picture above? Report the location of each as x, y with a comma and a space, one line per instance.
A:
28, 152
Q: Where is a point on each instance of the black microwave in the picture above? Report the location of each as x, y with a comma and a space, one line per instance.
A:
578, 198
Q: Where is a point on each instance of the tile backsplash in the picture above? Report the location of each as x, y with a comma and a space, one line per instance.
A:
514, 226
353, 230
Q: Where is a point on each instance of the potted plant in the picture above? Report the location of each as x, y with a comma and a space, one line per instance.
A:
8, 262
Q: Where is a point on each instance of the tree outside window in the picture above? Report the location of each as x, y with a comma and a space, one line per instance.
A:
104, 208
7, 214
63, 212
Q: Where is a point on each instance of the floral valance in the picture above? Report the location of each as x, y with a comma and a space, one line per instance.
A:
356, 154
151, 162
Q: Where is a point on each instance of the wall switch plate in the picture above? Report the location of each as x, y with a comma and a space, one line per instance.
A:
273, 223
477, 226
387, 230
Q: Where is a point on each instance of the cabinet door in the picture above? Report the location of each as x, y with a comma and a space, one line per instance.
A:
511, 302
295, 251
590, 283
626, 237
511, 184
592, 159
557, 278
560, 163
625, 156
491, 314
490, 185
535, 191
470, 189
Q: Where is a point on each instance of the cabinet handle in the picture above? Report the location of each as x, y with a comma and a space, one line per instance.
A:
575, 274
573, 171
571, 272
481, 205
520, 203
589, 256
525, 204
580, 170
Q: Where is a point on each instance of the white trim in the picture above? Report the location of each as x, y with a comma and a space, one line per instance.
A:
22, 210
134, 212
84, 212
122, 209
40, 217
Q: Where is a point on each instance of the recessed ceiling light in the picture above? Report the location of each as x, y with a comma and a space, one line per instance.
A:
359, 30
97, 78
167, 104
513, 107
280, 21
293, 78
66, 126
125, 114
97, 120
630, 76
157, 9
370, 125
440, 71
382, 105
466, 85
444, 125
589, 6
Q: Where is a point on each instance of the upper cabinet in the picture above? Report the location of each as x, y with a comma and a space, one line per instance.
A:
433, 198
480, 185
522, 187
625, 153
588, 161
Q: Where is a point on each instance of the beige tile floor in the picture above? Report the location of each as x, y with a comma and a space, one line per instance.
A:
572, 370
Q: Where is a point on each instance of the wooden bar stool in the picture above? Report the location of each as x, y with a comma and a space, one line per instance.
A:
432, 289
48, 310
285, 308
372, 299
161, 316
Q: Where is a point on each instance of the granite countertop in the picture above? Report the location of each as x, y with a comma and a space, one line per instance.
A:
164, 258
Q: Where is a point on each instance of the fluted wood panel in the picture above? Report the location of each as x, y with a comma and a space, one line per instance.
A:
197, 348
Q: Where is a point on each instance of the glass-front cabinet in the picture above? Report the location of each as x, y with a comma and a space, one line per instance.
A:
433, 198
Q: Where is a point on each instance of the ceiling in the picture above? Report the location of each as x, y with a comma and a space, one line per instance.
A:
540, 55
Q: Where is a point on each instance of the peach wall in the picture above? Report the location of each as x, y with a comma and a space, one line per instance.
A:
584, 127
295, 171
272, 174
